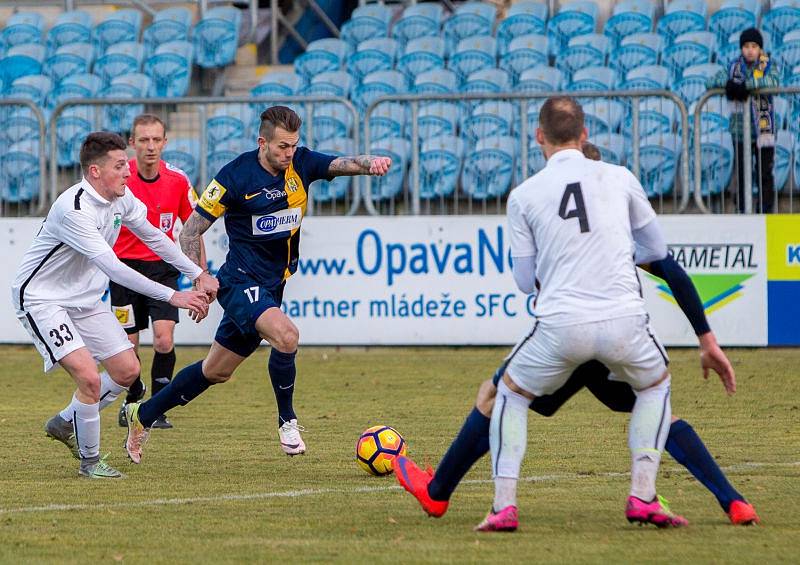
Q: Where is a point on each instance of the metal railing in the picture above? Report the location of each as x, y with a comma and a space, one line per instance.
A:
201, 103
40, 204
524, 98
746, 153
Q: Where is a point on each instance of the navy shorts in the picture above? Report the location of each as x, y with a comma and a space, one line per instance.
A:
243, 302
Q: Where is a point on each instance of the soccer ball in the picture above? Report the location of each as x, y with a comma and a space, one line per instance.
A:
377, 448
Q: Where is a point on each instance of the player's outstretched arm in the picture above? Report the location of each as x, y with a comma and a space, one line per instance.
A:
360, 165
192, 300
712, 357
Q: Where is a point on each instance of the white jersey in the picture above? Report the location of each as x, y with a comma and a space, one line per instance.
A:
575, 217
80, 226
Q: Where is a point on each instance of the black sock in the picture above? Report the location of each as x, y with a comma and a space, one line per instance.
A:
282, 372
161, 372
188, 384
135, 391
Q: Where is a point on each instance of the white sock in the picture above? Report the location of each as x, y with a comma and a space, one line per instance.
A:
650, 421
86, 423
109, 390
508, 438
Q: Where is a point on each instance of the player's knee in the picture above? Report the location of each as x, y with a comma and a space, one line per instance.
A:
128, 372
486, 395
90, 386
287, 340
216, 375
163, 342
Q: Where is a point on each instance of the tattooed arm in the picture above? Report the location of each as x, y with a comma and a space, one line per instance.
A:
360, 165
191, 240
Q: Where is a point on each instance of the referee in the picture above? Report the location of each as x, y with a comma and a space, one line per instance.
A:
168, 195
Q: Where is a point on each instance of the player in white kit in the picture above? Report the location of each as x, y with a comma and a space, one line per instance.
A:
59, 287
574, 228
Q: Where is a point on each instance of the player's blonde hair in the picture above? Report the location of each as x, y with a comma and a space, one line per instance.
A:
145, 120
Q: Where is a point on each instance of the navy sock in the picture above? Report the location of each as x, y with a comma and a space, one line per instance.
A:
471, 443
161, 372
688, 449
188, 384
282, 372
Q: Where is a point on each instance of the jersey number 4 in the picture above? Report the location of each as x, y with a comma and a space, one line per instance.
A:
573, 191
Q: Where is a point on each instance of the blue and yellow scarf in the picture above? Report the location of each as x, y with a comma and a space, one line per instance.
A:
762, 110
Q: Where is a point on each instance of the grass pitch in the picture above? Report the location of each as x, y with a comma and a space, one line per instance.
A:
217, 488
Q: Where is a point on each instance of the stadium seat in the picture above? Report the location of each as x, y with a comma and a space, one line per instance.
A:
118, 27
487, 80
84, 85
228, 122
170, 24
524, 17
694, 82
630, 17
226, 151
119, 117
278, 83
119, 59
729, 50
31, 87
593, 78
784, 147
716, 162
387, 120
72, 127
440, 165
377, 54
782, 113
377, 84
391, 184
366, 22
183, 153
420, 55
331, 120
21, 60
590, 50
68, 60
788, 54
682, 16
656, 115
19, 124
611, 146
330, 83
473, 54
216, 37
577, 17
470, 18
733, 16
437, 119
525, 52
783, 17
22, 27
637, 50
436, 82
19, 172
659, 154
170, 69
541, 79
418, 20
327, 191
603, 116
688, 49
647, 77
70, 27
322, 55
536, 160
489, 168
489, 118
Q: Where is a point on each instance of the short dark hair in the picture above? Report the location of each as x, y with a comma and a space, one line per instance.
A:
278, 116
145, 120
97, 145
590, 151
561, 120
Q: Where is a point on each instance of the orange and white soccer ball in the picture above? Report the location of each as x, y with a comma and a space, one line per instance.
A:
377, 448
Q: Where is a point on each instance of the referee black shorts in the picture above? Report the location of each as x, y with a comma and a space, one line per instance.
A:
134, 310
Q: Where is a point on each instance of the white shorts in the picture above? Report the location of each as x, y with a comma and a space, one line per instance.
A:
543, 361
57, 331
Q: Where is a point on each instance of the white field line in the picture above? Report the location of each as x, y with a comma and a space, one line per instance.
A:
561, 477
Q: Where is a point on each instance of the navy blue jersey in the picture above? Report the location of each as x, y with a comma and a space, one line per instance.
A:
263, 213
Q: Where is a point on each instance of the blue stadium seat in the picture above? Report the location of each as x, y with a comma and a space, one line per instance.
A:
377, 84
321, 55
19, 124
603, 115
19, 172
647, 77
729, 50
783, 17
692, 48
278, 83
418, 20
170, 24
326, 191
216, 37
682, 16
438, 118
470, 18
782, 113
716, 159
489, 168
117, 27
541, 79
536, 160
440, 165
630, 17
577, 17
31, 87
659, 154
523, 18
68, 60
436, 82
694, 82
473, 54
788, 54
20, 60
119, 117
227, 151
525, 52
377, 54
390, 185
72, 127
182, 152
387, 120
487, 80
84, 85
733, 16
590, 50
420, 55
656, 115
70, 27
330, 83
611, 146
366, 22
170, 69
226, 123
784, 148
637, 50
331, 121
119, 59
22, 27
593, 78
490, 118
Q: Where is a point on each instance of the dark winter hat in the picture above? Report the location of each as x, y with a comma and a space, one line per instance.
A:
751, 34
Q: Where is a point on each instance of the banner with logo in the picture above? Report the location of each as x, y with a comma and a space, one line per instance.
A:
783, 286
446, 281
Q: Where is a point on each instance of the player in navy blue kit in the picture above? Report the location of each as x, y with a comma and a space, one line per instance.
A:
263, 196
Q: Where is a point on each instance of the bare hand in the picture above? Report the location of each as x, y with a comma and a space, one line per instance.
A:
194, 301
380, 166
712, 357
208, 284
